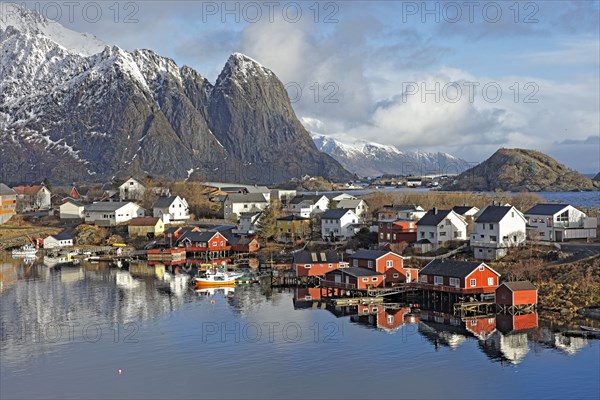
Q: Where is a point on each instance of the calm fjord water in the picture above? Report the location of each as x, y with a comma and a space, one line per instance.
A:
66, 333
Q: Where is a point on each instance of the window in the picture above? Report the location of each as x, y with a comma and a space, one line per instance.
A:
473, 322
473, 282
438, 280
481, 250
355, 263
306, 265
330, 265
422, 234
370, 264
381, 235
375, 309
308, 297
365, 279
490, 281
374, 279
423, 278
493, 238
431, 235
396, 276
394, 236
390, 319
481, 267
491, 226
389, 263
442, 233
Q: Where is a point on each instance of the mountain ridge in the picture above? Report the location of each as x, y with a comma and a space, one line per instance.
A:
69, 115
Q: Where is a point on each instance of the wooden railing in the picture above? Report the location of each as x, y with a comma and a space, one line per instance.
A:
339, 285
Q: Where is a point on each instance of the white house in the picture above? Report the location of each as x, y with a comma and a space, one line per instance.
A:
132, 189
359, 206
33, 198
237, 203
307, 206
559, 222
497, 228
71, 209
111, 213
438, 227
248, 223
342, 196
171, 209
56, 241
339, 224
284, 196
469, 214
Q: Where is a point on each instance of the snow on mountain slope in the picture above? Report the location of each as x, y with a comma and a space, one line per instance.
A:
29, 21
372, 159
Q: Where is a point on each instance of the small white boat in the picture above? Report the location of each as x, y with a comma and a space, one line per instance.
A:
218, 277
25, 251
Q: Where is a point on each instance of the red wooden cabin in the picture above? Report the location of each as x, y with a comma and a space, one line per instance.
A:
458, 277
385, 262
307, 263
356, 277
516, 293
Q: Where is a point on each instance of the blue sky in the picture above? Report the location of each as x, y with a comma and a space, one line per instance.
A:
364, 66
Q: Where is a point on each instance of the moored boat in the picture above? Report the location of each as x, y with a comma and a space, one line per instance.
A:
25, 251
589, 329
218, 277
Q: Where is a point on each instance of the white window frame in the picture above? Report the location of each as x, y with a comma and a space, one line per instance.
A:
389, 263
473, 282
365, 279
370, 263
438, 280
330, 265
454, 282
396, 276
491, 281
307, 266
374, 279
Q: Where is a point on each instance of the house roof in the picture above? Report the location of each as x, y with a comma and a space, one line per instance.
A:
5, 190
144, 221
28, 190
546, 209
246, 198
335, 213
402, 207
349, 203
519, 285
198, 236
461, 210
292, 218
310, 198
359, 271
365, 254
62, 236
139, 181
164, 202
173, 229
313, 257
107, 206
493, 214
433, 217
451, 268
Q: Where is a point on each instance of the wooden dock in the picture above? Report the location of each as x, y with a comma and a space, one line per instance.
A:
474, 308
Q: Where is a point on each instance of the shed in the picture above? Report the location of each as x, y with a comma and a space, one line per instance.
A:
517, 293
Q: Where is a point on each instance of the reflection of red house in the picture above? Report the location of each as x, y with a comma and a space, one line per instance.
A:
516, 293
384, 262
396, 231
356, 278
390, 320
507, 322
481, 327
307, 263
308, 293
458, 277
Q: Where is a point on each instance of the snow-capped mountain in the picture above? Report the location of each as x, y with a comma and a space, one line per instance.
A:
373, 159
73, 108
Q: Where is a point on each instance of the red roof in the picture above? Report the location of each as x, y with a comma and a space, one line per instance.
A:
144, 221
28, 190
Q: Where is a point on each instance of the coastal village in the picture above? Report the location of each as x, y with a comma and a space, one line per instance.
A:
337, 250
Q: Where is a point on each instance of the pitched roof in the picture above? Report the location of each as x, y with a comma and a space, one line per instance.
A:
461, 210
62, 236
335, 213
310, 198
246, 198
308, 257
74, 202
493, 214
349, 203
144, 221
164, 201
519, 285
292, 218
401, 207
107, 206
359, 271
451, 268
433, 217
546, 209
198, 236
365, 254
28, 190
5, 190
172, 229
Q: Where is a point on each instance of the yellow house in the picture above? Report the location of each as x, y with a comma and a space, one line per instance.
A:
145, 226
292, 228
